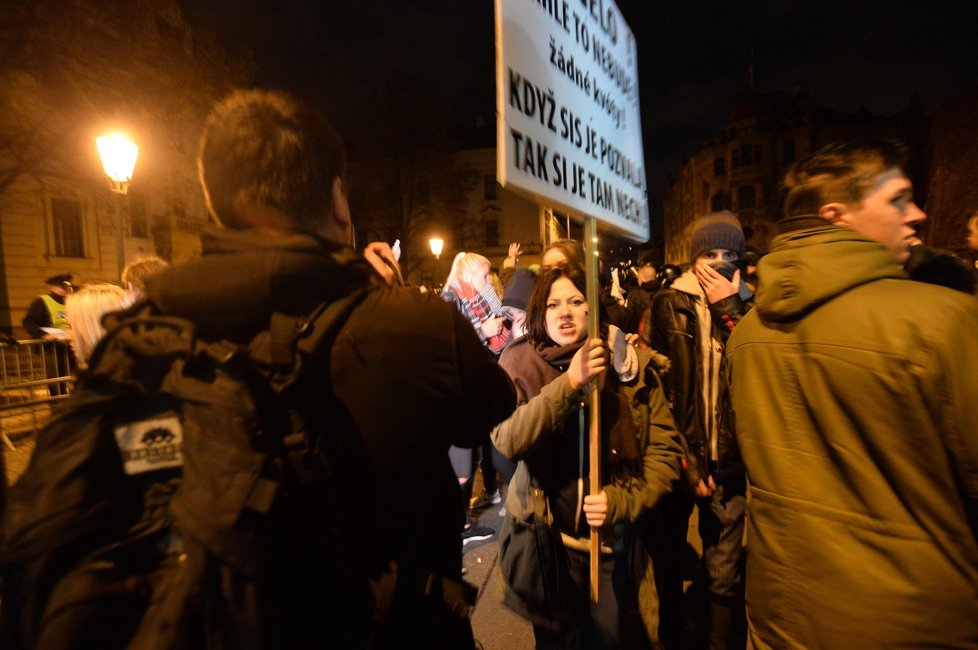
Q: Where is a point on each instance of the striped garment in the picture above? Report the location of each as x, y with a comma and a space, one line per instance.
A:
478, 308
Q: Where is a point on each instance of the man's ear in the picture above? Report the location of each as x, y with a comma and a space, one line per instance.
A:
341, 205
342, 223
835, 213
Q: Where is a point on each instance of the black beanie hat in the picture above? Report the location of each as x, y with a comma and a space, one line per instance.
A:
58, 280
517, 293
717, 230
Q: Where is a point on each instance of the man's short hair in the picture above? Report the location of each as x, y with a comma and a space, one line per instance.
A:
265, 148
843, 172
141, 269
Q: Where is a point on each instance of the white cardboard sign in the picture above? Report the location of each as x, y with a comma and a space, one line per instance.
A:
569, 131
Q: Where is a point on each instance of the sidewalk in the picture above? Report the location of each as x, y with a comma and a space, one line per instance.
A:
495, 626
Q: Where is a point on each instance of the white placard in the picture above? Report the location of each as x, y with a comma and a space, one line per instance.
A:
569, 130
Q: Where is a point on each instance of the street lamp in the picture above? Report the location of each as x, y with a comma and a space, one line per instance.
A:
436, 246
118, 154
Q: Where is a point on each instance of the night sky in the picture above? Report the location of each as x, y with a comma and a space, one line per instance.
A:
694, 57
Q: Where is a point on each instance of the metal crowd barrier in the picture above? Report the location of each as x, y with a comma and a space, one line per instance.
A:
35, 376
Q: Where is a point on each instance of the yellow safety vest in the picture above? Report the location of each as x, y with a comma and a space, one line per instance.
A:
56, 311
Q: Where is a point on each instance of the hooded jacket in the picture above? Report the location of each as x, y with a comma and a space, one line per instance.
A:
856, 403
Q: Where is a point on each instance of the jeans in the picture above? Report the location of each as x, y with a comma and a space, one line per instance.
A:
722, 534
722, 623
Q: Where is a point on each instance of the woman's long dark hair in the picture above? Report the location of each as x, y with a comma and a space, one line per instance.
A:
536, 310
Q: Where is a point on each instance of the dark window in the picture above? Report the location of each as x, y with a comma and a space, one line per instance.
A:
719, 166
745, 155
66, 227
788, 152
758, 153
489, 187
746, 197
735, 158
492, 233
720, 202
706, 191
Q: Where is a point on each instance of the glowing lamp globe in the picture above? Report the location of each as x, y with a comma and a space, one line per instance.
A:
118, 154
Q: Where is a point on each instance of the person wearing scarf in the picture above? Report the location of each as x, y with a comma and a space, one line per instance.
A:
547, 435
468, 287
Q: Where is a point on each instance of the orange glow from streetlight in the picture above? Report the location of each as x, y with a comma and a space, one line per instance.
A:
118, 154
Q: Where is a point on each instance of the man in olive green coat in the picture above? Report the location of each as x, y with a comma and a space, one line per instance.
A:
856, 400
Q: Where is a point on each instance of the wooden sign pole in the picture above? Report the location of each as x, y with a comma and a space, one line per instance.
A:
594, 437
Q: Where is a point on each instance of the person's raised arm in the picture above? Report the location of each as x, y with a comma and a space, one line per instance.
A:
512, 260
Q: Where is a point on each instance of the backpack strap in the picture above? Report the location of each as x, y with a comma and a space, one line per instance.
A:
288, 335
278, 354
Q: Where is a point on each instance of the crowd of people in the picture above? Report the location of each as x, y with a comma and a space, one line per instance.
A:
823, 381
75, 316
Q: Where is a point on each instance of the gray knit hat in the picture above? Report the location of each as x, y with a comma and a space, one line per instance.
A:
717, 230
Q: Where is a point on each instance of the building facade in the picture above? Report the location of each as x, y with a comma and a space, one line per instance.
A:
742, 168
490, 218
138, 67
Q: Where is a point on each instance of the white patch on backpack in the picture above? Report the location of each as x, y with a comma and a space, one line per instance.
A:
150, 445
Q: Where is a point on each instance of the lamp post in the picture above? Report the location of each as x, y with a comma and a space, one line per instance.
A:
118, 154
436, 246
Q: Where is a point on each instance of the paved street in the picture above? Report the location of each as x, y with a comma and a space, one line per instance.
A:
496, 627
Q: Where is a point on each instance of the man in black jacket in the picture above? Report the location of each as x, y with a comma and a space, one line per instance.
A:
640, 296
690, 323
406, 372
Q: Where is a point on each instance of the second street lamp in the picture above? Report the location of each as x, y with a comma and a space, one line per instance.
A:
118, 154
436, 246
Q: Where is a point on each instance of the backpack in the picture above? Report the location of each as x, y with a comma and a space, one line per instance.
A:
196, 493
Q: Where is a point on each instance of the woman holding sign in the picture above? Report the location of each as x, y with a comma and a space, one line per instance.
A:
548, 499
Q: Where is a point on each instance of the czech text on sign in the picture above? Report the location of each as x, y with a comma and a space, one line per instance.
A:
569, 129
